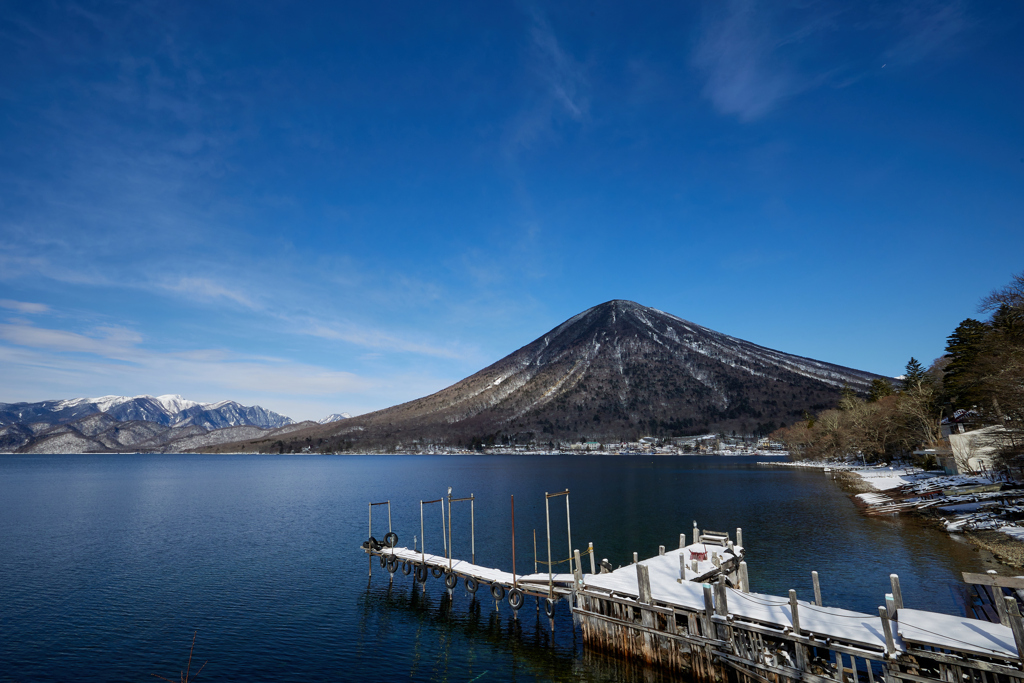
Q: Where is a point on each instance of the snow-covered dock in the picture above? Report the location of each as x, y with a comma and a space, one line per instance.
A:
690, 609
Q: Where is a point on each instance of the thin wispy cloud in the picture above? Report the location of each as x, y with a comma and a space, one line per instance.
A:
23, 306
929, 28
207, 290
561, 89
745, 77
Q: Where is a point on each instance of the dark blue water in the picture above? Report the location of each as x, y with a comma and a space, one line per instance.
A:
110, 563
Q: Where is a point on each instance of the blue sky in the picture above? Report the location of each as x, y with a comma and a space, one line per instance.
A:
327, 207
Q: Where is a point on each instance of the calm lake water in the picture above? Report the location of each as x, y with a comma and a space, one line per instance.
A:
109, 563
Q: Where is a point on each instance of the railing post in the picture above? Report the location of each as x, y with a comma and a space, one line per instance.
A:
897, 594
890, 644
643, 582
817, 588
1016, 626
794, 612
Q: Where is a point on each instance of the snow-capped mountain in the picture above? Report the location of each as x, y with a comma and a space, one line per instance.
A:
169, 410
616, 371
334, 417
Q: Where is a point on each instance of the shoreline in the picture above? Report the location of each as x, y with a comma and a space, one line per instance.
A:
960, 505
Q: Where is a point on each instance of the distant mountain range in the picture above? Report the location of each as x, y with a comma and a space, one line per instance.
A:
114, 423
617, 371
170, 410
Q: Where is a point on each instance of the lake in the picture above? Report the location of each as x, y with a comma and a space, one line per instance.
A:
110, 563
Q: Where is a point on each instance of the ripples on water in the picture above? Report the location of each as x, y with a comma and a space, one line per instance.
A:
110, 562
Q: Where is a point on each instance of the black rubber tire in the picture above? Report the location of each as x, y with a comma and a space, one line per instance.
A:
471, 584
515, 598
497, 591
422, 573
451, 581
407, 568
392, 565
373, 543
383, 561
437, 572
549, 607
391, 539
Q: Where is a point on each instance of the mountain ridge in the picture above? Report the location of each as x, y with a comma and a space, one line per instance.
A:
616, 371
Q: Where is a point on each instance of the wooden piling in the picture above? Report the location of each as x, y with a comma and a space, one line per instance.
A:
682, 541
593, 562
635, 560
643, 580
661, 550
739, 537
794, 612
890, 644
696, 533
817, 588
744, 579
897, 594
1013, 612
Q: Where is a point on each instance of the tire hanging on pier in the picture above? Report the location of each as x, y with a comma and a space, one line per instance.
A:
549, 607
471, 585
391, 539
451, 581
515, 598
392, 564
421, 573
497, 591
406, 567
437, 572
383, 561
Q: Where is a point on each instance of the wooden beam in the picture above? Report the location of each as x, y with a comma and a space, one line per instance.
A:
992, 580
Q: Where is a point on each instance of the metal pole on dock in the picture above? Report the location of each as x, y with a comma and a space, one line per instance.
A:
514, 584
547, 515
444, 536
568, 529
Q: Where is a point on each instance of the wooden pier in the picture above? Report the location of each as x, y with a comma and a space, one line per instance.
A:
690, 609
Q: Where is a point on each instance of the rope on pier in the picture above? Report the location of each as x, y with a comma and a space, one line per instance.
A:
588, 551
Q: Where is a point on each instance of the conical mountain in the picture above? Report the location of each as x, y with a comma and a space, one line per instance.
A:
616, 371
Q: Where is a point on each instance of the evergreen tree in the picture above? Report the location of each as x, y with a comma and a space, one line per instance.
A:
914, 377
879, 388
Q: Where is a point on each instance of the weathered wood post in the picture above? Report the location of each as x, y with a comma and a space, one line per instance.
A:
890, 605
739, 537
694, 566
709, 607
682, 541
696, 532
577, 574
890, 644
794, 612
897, 594
817, 588
593, 562
1016, 626
744, 579
643, 582
682, 567
721, 599
635, 560
661, 550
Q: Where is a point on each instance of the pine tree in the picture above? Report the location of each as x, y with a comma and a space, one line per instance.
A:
914, 377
